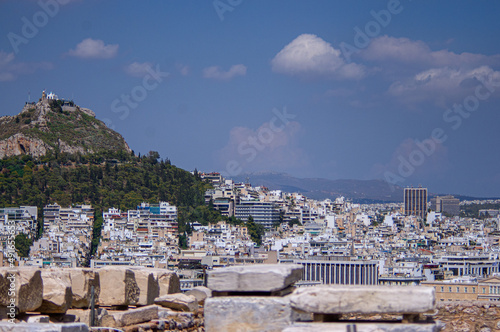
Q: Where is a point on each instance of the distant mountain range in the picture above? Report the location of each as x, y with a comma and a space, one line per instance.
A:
359, 191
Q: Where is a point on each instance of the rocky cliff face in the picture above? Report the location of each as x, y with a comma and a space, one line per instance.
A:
51, 125
20, 144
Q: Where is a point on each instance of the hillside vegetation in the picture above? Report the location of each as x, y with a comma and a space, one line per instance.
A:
104, 180
52, 127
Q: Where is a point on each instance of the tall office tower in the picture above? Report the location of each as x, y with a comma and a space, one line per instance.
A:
447, 204
415, 202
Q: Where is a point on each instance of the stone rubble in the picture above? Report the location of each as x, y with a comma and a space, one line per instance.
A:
130, 317
201, 293
62, 297
178, 301
254, 278
250, 301
248, 312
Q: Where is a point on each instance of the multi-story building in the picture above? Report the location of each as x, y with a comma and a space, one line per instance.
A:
489, 289
225, 205
264, 213
341, 272
465, 265
24, 218
415, 202
77, 217
73, 217
454, 290
446, 204
51, 214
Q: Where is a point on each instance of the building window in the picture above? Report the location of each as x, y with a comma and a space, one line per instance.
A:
442, 289
449, 289
484, 290
473, 289
458, 289
465, 289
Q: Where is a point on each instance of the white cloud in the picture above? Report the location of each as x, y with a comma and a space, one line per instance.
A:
94, 49
264, 148
416, 163
138, 69
442, 83
216, 73
10, 69
420, 74
183, 69
408, 51
310, 56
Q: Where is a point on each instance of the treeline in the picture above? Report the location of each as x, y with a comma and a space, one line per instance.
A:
102, 182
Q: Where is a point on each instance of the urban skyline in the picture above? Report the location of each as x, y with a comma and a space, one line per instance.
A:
348, 91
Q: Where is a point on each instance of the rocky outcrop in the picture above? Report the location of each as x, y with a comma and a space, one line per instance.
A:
87, 111
50, 126
20, 144
66, 148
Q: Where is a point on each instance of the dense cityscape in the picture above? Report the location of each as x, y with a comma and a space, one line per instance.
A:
249, 166
418, 242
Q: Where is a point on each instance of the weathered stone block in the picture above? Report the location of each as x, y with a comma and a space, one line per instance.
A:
178, 301
340, 299
83, 315
130, 317
148, 285
28, 288
247, 314
43, 327
168, 281
57, 295
118, 286
82, 281
38, 319
254, 278
360, 327
201, 293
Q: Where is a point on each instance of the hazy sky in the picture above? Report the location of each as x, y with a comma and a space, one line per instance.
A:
406, 91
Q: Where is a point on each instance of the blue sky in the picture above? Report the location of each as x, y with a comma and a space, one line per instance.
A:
405, 91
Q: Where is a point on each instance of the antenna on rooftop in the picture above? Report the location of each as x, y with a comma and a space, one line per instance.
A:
29, 96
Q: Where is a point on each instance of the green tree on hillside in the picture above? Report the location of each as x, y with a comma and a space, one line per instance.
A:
255, 230
90, 179
22, 244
